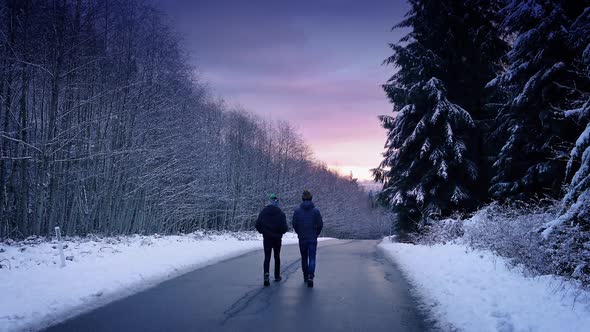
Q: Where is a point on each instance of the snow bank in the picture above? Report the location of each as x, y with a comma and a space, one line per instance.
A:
476, 291
35, 291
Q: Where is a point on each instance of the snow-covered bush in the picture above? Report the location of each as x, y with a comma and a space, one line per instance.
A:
439, 231
512, 231
516, 231
568, 247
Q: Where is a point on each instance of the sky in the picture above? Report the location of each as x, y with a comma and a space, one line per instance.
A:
317, 64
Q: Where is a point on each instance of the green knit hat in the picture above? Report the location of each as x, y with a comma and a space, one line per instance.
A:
273, 197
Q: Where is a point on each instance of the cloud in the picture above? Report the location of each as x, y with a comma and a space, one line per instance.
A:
314, 63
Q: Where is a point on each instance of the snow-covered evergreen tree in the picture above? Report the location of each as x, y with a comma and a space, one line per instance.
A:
530, 125
431, 163
569, 234
427, 168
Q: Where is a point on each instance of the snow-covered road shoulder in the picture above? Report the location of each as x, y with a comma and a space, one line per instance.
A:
476, 291
35, 291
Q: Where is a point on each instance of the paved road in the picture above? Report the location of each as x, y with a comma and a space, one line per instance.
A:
356, 289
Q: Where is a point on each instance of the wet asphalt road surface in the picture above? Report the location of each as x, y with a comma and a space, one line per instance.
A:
356, 289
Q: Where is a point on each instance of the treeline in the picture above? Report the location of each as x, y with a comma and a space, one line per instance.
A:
491, 102
106, 129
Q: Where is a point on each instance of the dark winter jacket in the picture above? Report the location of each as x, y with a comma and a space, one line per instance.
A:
272, 222
307, 221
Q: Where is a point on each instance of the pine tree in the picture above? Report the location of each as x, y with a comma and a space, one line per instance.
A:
431, 160
427, 170
576, 201
569, 234
577, 198
530, 123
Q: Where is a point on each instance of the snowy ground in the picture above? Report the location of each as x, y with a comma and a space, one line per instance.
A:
475, 291
35, 291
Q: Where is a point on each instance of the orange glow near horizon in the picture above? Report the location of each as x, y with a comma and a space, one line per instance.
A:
358, 156
358, 172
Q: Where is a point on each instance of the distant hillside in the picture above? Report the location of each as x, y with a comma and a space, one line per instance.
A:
369, 185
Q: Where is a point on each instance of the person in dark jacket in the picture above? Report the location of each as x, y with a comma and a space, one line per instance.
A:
272, 224
307, 223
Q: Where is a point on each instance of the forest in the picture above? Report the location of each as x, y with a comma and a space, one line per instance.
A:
106, 128
114, 128
491, 111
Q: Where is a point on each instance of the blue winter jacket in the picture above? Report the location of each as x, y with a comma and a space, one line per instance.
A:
307, 221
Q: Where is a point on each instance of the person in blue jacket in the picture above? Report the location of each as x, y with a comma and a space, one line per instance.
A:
307, 223
272, 224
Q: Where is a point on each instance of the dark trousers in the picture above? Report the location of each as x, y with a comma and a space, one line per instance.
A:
308, 250
275, 246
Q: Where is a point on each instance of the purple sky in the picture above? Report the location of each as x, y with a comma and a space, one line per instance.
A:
316, 64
